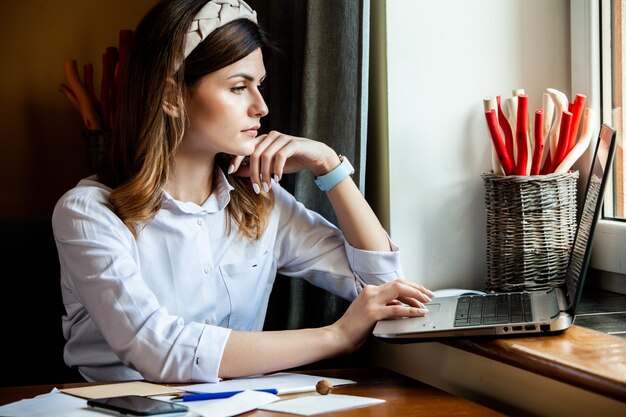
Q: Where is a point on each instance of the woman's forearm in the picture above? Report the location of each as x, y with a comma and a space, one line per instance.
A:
250, 353
360, 226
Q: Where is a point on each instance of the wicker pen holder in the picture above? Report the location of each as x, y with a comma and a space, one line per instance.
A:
531, 222
96, 145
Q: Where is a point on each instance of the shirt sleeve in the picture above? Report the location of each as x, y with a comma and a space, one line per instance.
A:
311, 247
99, 263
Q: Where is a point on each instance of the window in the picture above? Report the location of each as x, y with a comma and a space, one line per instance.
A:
597, 68
613, 92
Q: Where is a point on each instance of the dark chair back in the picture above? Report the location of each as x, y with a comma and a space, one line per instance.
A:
31, 308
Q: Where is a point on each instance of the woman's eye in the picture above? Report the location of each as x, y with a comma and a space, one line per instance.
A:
238, 90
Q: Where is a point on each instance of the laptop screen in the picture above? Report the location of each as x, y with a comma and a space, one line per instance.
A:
592, 203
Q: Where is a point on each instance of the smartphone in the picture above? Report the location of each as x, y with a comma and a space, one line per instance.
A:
136, 405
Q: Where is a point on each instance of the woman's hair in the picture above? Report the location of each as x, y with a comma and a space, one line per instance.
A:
145, 138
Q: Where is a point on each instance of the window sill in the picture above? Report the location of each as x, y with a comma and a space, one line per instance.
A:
610, 234
581, 357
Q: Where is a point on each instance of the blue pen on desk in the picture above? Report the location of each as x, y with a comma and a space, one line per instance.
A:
218, 395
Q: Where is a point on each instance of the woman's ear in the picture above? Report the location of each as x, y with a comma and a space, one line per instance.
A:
171, 100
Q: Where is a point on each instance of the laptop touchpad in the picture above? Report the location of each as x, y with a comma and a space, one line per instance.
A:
433, 308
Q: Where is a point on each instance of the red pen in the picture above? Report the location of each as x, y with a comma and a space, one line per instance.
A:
78, 94
109, 60
539, 143
577, 112
125, 38
88, 77
563, 143
498, 142
508, 134
547, 164
521, 133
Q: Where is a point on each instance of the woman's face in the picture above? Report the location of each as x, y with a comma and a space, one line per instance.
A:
225, 109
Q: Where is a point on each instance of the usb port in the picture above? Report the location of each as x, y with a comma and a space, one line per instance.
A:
531, 327
517, 328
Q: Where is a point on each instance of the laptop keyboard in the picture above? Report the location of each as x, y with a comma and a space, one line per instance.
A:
475, 310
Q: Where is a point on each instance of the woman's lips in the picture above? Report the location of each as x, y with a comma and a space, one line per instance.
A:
252, 132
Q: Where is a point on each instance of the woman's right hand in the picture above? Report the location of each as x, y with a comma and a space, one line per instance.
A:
399, 298
276, 154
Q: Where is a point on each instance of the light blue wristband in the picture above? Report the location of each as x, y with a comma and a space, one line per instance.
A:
328, 181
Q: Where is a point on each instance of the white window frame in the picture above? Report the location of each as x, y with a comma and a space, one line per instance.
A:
608, 253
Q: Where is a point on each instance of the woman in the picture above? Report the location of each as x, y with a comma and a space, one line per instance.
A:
169, 254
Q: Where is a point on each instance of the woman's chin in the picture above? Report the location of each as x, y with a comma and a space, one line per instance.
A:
246, 149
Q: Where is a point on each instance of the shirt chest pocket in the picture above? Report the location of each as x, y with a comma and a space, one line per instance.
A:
248, 284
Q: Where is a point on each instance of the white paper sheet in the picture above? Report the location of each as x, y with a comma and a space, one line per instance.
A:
317, 404
57, 404
52, 404
227, 407
282, 381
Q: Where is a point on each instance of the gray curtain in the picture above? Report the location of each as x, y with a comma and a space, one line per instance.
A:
316, 88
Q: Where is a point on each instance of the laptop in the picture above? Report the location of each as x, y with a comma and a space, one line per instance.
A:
517, 313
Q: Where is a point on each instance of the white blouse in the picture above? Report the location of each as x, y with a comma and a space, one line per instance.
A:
161, 307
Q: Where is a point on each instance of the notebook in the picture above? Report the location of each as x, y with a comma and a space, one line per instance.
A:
528, 312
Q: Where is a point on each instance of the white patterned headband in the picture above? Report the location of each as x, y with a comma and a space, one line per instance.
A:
214, 14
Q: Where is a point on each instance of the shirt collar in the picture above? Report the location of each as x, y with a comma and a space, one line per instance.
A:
217, 201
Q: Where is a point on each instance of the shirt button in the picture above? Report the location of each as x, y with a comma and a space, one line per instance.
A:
208, 321
199, 221
206, 269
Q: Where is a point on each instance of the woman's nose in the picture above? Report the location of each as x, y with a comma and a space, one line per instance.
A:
259, 107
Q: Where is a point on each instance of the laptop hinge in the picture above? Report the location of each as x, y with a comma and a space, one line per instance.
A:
561, 299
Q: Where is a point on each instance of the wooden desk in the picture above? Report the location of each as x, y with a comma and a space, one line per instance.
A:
403, 396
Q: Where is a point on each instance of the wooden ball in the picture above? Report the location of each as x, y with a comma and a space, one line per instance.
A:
324, 387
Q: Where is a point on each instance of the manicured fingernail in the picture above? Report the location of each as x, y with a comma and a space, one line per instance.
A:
231, 168
276, 178
428, 298
266, 188
430, 293
422, 310
256, 188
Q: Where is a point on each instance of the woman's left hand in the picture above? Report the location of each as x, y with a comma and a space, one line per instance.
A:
277, 154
